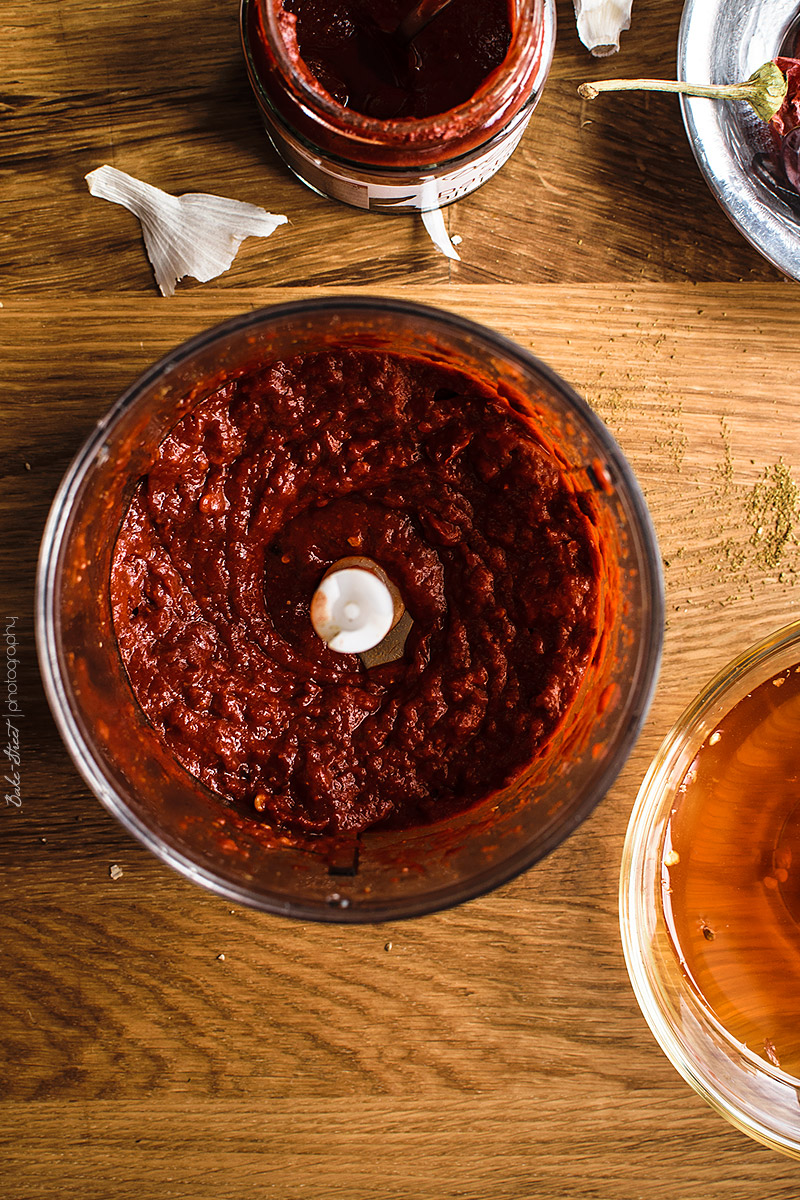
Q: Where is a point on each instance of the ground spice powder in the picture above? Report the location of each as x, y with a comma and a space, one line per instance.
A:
773, 511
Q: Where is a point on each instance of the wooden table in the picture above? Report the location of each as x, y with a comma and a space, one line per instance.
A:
158, 1042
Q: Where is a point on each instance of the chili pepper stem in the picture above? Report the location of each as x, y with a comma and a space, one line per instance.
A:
765, 90
722, 91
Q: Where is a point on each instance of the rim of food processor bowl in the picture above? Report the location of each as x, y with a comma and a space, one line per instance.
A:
641, 860
449, 895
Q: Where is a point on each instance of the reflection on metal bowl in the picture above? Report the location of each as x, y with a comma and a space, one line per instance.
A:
725, 41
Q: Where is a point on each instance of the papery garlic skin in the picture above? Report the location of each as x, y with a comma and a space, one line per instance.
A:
600, 22
195, 234
433, 220
434, 223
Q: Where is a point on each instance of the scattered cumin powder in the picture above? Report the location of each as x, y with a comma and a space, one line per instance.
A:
773, 511
613, 405
748, 534
724, 469
757, 527
727, 518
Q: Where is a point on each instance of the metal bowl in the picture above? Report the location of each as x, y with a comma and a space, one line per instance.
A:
725, 41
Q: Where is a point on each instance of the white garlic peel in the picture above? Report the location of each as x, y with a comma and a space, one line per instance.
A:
195, 234
434, 223
600, 22
433, 220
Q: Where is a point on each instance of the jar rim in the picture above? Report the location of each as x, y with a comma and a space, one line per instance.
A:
503, 91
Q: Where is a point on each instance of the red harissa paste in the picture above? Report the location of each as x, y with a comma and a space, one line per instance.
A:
356, 52
285, 470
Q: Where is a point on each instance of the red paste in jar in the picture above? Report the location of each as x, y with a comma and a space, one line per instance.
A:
353, 49
273, 478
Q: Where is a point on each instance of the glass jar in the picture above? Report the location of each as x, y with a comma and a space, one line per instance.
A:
401, 165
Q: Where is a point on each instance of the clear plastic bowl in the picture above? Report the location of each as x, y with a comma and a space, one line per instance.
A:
754, 1094
389, 874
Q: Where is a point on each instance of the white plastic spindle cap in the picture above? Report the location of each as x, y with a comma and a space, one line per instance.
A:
352, 610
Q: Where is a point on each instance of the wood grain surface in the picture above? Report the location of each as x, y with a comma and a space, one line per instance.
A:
600, 191
156, 1041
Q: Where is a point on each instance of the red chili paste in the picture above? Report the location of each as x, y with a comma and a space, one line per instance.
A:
354, 50
293, 466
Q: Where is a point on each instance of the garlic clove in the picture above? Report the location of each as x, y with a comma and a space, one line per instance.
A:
600, 22
195, 234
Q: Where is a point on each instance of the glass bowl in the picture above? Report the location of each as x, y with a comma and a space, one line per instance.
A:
710, 940
384, 874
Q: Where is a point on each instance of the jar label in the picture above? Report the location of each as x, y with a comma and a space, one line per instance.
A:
372, 189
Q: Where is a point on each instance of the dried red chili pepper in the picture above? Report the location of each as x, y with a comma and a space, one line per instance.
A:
785, 124
787, 116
